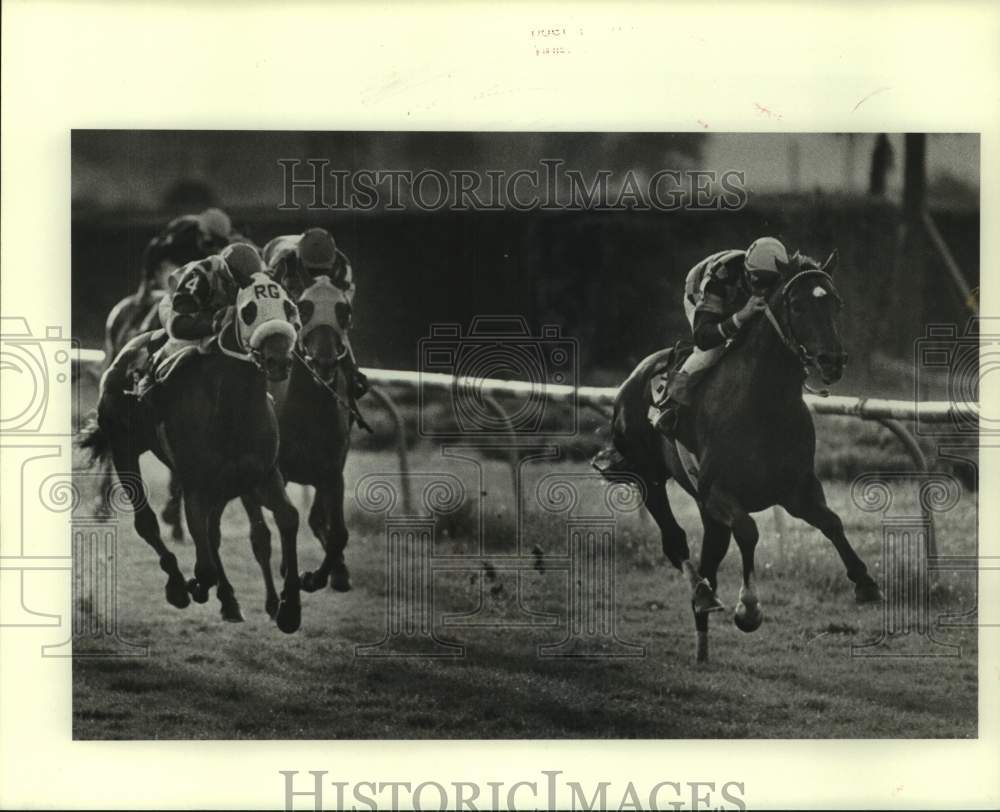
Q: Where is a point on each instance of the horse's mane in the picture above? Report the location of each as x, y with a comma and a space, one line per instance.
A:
803, 262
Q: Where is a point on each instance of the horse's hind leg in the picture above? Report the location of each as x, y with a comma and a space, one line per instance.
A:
172, 510
272, 495
675, 547
725, 509
230, 609
126, 463
260, 539
809, 504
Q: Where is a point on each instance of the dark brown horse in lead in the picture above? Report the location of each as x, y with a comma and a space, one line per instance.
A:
315, 414
214, 426
752, 436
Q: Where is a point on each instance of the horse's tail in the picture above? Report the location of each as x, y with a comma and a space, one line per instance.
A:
95, 440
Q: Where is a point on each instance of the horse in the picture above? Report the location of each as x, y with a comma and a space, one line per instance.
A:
138, 313
315, 415
213, 424
753, 439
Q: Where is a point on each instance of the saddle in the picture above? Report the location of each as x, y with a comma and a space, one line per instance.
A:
174, 355
668, 364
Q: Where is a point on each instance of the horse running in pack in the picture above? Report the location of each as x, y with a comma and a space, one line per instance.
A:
214, 426
752, 436
315, 415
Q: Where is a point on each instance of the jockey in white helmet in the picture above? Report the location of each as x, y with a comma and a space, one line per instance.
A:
293, 260
722, 294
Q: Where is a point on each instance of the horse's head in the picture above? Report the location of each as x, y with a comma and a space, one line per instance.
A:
326, 318
805, 306
267, 322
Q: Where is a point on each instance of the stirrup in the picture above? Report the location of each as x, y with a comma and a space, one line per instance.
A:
143, 388
609, 461
665, 418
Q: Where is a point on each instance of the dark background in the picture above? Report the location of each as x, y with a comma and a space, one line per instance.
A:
611, 280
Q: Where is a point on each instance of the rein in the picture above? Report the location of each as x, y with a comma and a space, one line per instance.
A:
349, 404
802, 355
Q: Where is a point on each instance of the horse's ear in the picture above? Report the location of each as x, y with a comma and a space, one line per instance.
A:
831, 262
249, 313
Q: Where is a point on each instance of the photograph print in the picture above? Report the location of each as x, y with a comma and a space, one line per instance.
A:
525, 435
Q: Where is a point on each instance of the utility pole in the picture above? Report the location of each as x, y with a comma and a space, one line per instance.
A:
910, 279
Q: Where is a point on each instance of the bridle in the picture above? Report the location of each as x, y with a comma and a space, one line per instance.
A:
787, 334
307, 361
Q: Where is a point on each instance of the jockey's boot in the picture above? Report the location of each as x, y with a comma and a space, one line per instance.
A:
145, 380
610, 463
665, 416
144, 386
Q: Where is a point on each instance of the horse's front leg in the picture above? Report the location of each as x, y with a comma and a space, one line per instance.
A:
172, 510
230, 608
206, 575
809, 504
714, 546
273, 497
338, 534
327, 522
727, 510
314, 580
260, 539
676, 549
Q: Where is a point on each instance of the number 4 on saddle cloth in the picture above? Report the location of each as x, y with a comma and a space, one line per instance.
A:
262, 309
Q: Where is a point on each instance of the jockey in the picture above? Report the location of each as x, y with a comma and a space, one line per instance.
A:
316, 253
722, 294
193, 315
185, 239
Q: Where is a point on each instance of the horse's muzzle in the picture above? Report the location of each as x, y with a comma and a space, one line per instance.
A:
277, 368
831, 366
324, 370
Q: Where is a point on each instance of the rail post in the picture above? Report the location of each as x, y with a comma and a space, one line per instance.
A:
402, 452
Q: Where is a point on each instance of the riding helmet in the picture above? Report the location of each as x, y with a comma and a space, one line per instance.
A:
764, 254
243, 261
317, 250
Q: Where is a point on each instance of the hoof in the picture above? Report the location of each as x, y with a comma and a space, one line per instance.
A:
748, 618
867, 591
289, 616
341, 581
311, 581
271, 607
705, 600
177, 593
198, 592
231, 613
